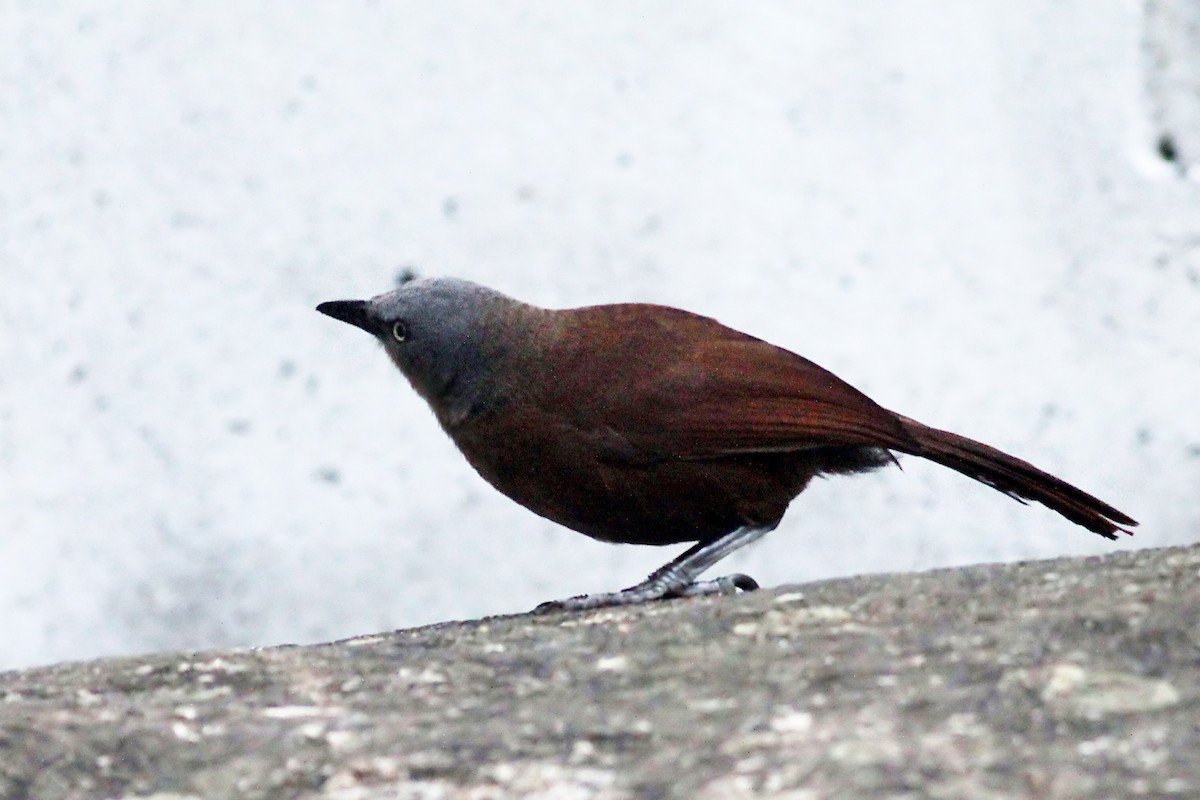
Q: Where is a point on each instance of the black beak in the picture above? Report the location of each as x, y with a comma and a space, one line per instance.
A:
353, 312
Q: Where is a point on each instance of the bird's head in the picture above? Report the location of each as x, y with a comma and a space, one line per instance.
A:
442, 333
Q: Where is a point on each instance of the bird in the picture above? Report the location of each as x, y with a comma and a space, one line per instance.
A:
645, 424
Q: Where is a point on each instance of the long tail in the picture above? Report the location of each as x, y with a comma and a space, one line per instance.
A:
1018, 479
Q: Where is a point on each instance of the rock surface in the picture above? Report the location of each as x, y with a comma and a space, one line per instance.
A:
1066, 678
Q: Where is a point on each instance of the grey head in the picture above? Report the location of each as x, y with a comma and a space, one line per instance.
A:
444, 334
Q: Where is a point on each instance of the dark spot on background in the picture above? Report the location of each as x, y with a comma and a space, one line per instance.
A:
1167, 150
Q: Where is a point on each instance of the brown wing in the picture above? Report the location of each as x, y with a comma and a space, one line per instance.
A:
656, 382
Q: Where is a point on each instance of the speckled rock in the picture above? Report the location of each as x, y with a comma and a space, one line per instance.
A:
1067, 678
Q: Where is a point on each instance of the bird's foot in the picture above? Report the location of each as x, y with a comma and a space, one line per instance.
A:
653, 588
676, 579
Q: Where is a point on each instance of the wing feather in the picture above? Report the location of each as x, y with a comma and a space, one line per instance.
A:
698, 389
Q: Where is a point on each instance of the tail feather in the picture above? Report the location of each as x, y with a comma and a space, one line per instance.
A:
1018, 479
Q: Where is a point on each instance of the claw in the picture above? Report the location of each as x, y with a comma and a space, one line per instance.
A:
743, 582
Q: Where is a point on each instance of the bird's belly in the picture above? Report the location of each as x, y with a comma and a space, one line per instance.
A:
661, 502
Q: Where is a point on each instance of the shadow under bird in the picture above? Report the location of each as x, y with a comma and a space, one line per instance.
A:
646, 424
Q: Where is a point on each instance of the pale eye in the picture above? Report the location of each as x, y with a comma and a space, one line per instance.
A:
399, 331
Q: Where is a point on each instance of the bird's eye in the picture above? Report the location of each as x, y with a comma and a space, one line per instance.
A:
399, 331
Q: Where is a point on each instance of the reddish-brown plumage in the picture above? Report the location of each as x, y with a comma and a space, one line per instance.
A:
651, 425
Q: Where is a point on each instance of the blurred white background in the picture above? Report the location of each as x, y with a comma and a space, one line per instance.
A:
961, 208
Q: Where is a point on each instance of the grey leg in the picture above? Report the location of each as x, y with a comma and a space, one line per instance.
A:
676, 579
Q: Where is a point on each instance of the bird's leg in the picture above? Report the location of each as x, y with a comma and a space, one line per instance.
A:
676, 579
